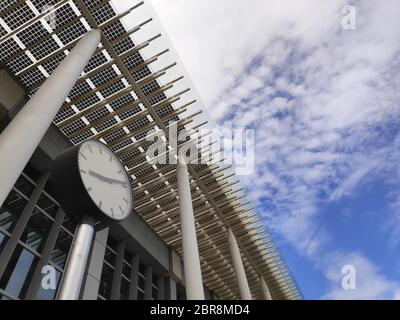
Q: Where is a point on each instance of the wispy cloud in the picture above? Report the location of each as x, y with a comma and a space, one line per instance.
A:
370, 283
324, 102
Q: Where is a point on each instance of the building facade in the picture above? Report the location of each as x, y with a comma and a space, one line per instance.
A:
121, 96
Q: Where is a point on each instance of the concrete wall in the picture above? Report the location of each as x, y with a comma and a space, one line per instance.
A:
12, 95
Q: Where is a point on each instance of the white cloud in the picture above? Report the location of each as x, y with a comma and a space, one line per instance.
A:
317, 96
348, 185
215, 39
370, 284
396, 295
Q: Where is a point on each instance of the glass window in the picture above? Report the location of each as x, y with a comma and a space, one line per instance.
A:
106, 281
12, 209
141, 282
109, 256
3, 241
49, 294
3, 297
6, 219
70, 225
140, 295
112, 243
142, 269
61, 249
124, 293
48, 205
25, 186
126, 270
19, 272
127, 256
37, 230
154, 292
154, 280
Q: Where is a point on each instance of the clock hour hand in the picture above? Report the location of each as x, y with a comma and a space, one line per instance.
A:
106, 179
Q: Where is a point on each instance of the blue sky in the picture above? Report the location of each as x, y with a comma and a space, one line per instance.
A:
324, 104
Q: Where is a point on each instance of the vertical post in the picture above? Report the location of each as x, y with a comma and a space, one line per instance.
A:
119, 263
161, 288
170, 286
265, 290
191, 260
76, 263
20, 138
148, 285
134, 278
244, 289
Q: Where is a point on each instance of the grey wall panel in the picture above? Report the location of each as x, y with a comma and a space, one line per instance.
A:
92, 279
12, 95
91, 288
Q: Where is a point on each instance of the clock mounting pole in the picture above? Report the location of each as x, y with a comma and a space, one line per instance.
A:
90, 184
76, 263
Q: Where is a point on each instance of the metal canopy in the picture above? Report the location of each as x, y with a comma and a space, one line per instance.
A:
119, 99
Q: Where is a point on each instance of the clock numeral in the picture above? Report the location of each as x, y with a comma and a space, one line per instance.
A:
120, 208
100, 204
126, 200
90, 149
82, 155
112, 212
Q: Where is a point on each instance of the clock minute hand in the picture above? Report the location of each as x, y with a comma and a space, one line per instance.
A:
116, 181
104, 178
98, 176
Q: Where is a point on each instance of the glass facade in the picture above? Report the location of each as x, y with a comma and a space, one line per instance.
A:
125, 277
27, 219
35, 232
19, 272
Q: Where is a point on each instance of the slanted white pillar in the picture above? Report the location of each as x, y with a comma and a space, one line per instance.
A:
244, 288
265, 290
191, 260
21, 137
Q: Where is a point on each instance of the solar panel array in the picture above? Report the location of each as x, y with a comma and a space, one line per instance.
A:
119, 100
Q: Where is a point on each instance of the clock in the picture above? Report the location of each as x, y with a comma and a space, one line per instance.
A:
89, 178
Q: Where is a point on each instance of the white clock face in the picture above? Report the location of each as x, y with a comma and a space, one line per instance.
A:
105, 179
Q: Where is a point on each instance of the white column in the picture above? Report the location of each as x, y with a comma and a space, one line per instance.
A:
21, 137
265, 290
191, 260
244, 289
71, 282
